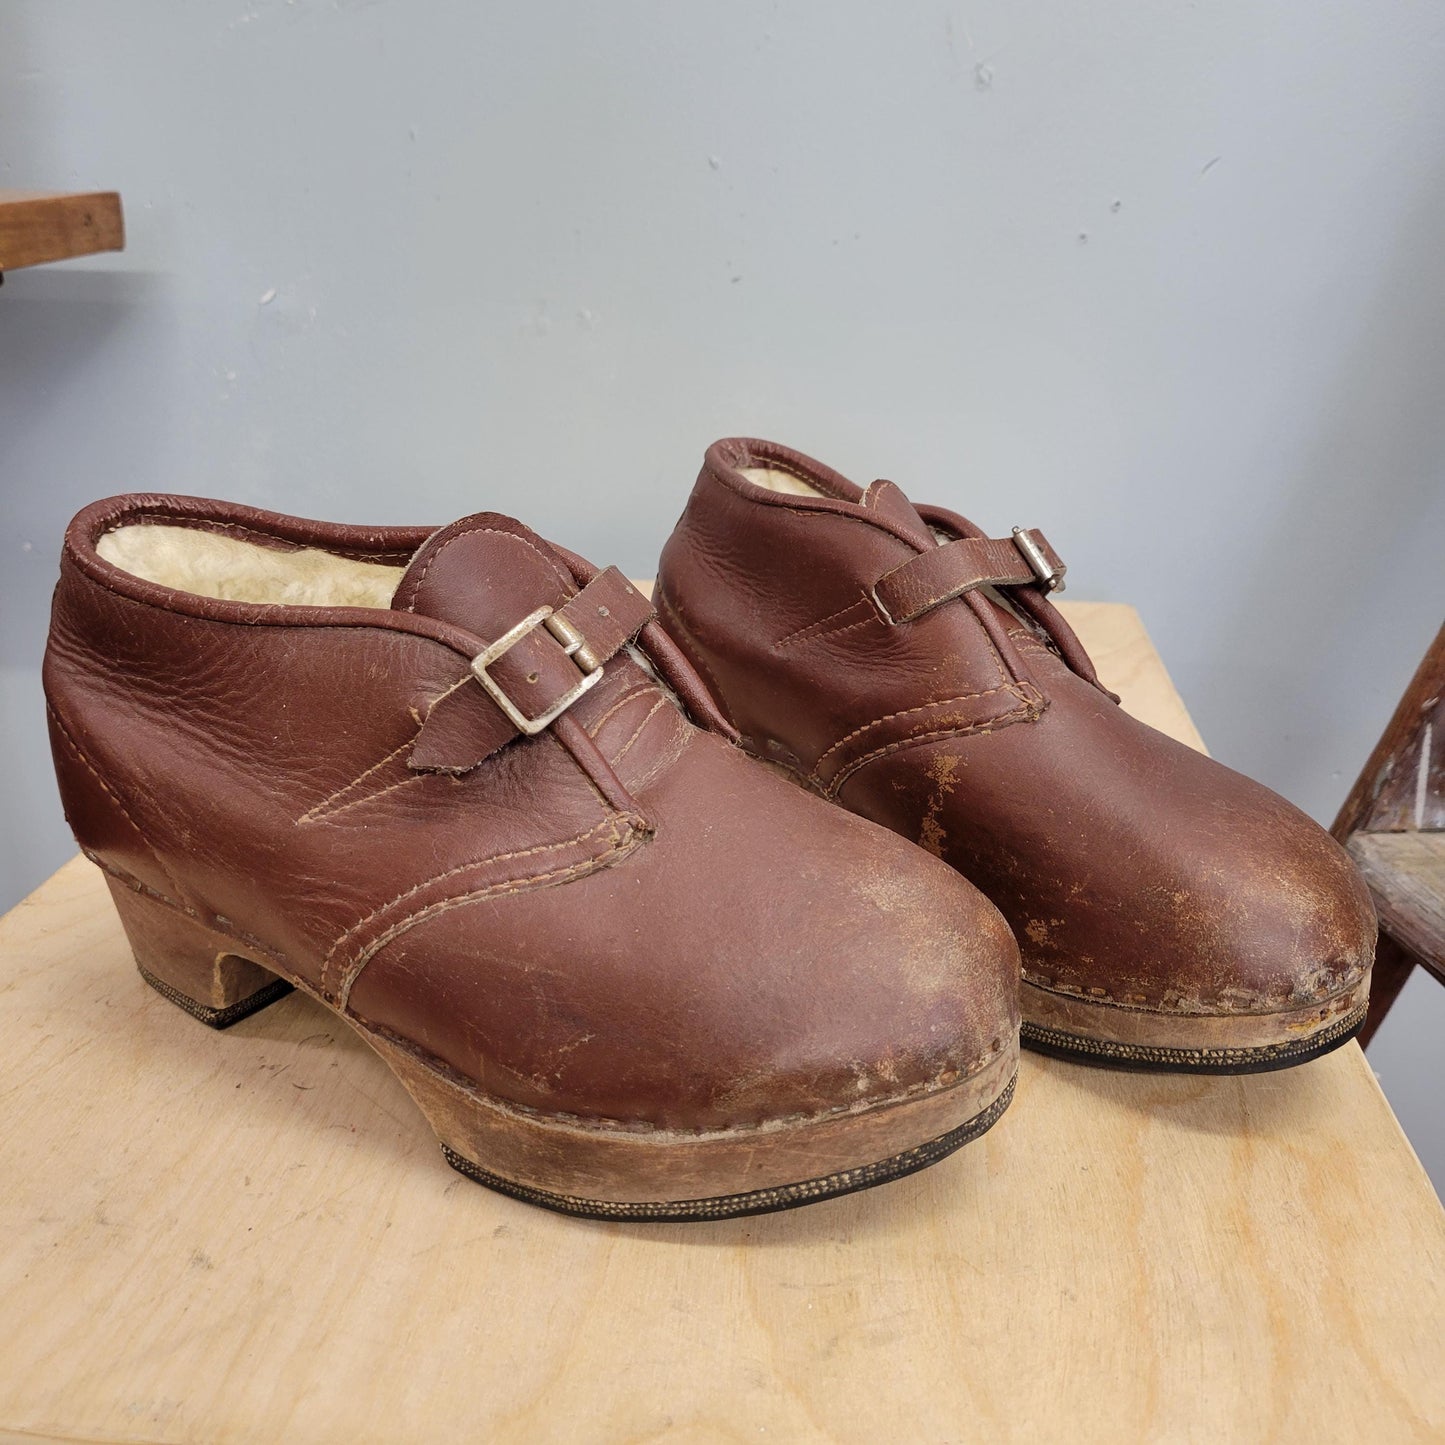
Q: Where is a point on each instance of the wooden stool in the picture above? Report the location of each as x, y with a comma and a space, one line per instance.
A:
1391, 823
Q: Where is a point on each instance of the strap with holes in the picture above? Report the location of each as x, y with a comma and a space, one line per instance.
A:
948, 571
529, 676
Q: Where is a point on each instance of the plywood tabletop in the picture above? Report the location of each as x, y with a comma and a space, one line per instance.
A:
252, 1236
40, 226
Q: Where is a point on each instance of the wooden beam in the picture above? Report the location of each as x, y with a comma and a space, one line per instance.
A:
1402, 786
40, 226
1406, 875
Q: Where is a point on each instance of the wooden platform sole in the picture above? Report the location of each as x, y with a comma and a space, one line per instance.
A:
591, 1168
1089, 1032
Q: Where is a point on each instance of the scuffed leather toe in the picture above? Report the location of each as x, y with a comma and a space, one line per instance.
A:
798, 961
1241, 904
1170, 912
1277, 920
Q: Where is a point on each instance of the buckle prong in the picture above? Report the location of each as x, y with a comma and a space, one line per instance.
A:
573, 644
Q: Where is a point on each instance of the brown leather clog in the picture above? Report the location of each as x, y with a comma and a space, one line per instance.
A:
446, 784
1172, 914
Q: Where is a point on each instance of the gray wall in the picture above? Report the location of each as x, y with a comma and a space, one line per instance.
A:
1161, 277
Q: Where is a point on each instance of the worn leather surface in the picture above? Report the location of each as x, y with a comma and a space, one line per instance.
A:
928, 579
1134, 870
621, 919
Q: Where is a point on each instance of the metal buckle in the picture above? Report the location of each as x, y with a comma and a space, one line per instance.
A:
573, 644
1051, 579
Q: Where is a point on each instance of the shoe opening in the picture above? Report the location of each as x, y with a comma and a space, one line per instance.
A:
212, 564
777, 481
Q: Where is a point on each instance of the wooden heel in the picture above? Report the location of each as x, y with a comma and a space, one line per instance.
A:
193, 966
602, 1172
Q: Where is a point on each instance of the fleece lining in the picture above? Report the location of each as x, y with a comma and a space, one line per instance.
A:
776, 481
210, 564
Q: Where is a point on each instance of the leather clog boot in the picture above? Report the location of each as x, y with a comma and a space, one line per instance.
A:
1171, 913
447, 784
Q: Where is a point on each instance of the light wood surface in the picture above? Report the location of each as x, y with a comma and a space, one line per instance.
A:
251, 1236
1406, 874
40, 226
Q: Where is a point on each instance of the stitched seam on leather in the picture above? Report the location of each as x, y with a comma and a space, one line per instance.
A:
864, 516
603, 1124
111, 794
793, 775
902, 712
322, 811
788, 469
131, 881
683, 733
451, 873
325, 804
688, 646
851, 627
987, 726
1005, 677
652, 712
1145, 1003
461, 682
822, 622
370, 797
213, 923
472, 531
952, 593
1030, 639
635, 691
219, 526
357, 966
268, 614
482, 863
634, 814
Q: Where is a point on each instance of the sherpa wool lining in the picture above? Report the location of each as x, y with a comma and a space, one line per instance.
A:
211, 564
776, 481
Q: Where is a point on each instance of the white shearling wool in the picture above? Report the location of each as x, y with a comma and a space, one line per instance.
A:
210, 564
777, 481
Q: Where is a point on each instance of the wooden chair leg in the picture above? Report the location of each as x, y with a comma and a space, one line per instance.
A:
1393, 965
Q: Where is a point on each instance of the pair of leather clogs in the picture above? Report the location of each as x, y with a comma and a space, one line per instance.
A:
496, 809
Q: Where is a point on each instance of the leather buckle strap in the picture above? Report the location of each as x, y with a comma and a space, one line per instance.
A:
550, 659
573, 646
948, 571
590, 627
